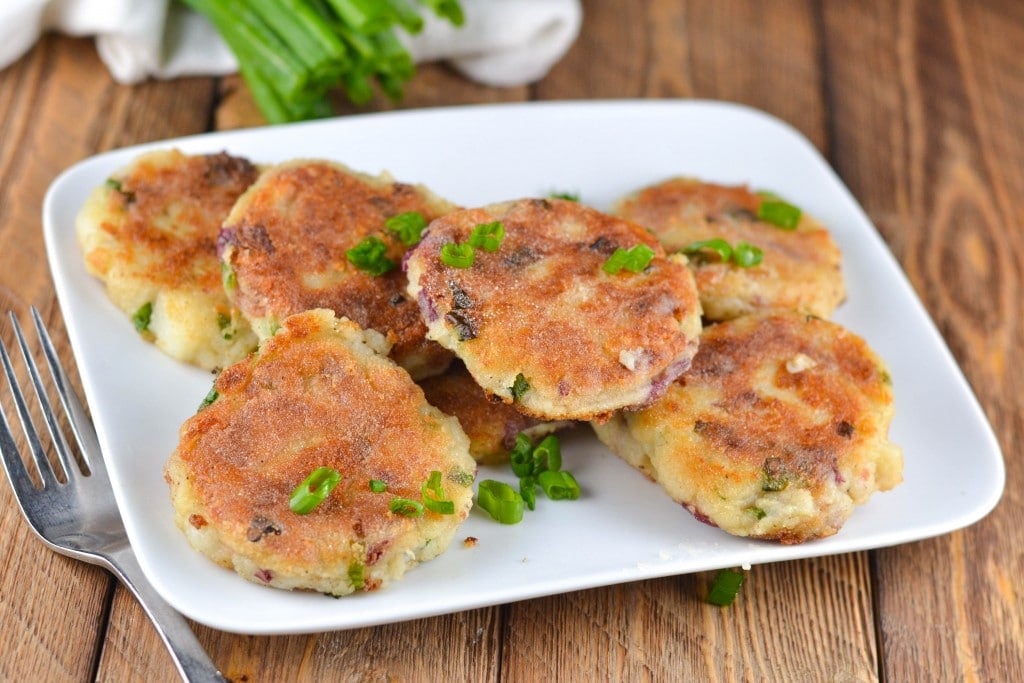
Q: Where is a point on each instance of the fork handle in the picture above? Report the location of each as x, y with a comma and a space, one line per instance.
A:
191, 660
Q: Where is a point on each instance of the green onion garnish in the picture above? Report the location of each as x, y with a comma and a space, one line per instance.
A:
211, 396
406, 507
356, 575
378, 486
528, 490
409, 226
370, 255
568, 196
634, 259
725, 587
142, 316
559, 485
487, 236
227, 276
313, 489
519, 387
457, 255
500, 501
715, 244
778, 212
547, 455
521, 456
743, 254
433, 495
746, 255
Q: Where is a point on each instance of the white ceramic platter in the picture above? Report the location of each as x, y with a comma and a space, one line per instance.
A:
624, 528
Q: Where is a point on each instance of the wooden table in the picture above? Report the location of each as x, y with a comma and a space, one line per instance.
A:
917, 105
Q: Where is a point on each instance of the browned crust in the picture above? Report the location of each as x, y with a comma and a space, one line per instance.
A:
801, 267
170, 207
286, 242
307, 401
542, 306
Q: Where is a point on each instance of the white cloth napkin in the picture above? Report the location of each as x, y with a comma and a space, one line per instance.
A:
503, 42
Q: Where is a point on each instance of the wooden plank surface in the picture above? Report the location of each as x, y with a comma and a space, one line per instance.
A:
916, 104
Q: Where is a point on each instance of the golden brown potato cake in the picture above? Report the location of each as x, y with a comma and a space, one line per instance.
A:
538, 321
800, 270
319, 393
150, 234
284, 247
778, 429
491, 425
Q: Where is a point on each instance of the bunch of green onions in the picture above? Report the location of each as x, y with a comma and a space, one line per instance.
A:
292, 53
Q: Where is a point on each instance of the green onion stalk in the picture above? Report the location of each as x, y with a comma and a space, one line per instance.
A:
293, 53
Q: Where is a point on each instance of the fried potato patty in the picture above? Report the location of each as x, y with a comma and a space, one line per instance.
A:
150, 234
319, 393
285, 242
800, 270
492, 426
538, 321
777, 431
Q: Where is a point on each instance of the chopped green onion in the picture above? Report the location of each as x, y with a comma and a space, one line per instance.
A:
560, 485
547, 455
725, 587
500, 501
457, 255
406, 507
519, 387
313, 489
142, 316
778, 212
227, 276
715, 244
746, 255
567, 196
356, 575
528, 491
487, 236
773, 477
634, 259
223, 320
370, 255
433, 495
378, 486
521, 456
408, 225
211, 396
117, 186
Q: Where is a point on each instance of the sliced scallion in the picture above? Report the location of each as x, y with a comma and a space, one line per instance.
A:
746, 255
500, 501
519, 387
559, 485
778, 212
142, 316
487, 236
409, 226
314, 489
457, 255
370, 256
406, 507
634, 259
725, 587
378, 486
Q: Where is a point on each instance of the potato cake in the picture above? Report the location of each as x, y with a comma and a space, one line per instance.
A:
539, 320
150, 234
777, 431
491, 425
288, 247
319, 393
800, 266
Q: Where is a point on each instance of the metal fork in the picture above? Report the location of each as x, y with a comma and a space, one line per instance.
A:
79, 517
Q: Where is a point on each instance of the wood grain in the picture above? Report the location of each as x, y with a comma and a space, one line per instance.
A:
915, 103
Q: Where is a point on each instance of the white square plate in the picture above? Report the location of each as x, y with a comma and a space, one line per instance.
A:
624, 528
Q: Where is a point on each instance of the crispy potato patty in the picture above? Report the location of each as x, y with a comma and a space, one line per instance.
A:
778, 429
319, 393
492, 426
540, 322
150, 234
285, 246
800, 270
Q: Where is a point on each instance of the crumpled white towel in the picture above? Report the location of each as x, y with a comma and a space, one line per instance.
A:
503, 42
